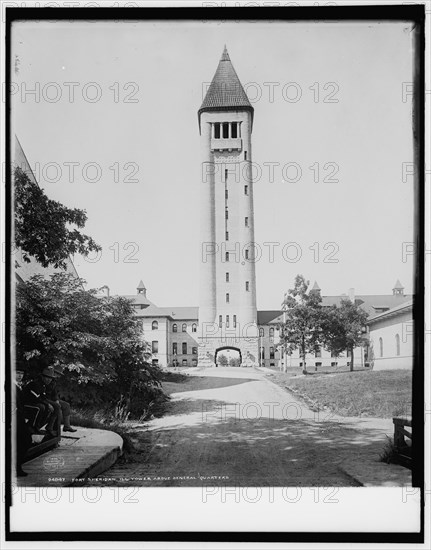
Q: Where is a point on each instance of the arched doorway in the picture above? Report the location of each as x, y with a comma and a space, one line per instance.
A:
228, 356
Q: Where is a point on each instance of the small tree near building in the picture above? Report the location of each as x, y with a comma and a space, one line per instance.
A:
222, 360
343, 329
302, 329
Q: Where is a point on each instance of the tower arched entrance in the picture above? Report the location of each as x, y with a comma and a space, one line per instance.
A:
228, 355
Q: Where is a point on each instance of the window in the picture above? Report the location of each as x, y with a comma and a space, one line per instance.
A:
234, 129
174, 328
226, 214
226, 194
154, 362
184, 348
318, 352
334, 363
227, 277
271, 353
225, 130
227, 235
381, 346
184, 363
397, 343
246, 221
227, 321
154, 346
245, 189
245, 155
195, 351
174, 348
262, 352
247, 286
227, 297
184, 327
154, 325
227, 256
272, 364
271, 332
220, 321
318, 364
217, 131
225, 175
246, 254
234, 321
194, 362
194, 327
261, 332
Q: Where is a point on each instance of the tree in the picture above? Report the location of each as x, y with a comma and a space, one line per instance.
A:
97, 340
222, 360
234, 362
344, 329
41, 225
302, 328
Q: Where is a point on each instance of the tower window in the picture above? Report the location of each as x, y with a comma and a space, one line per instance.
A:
227, 256
217, 131
225, 130
245, 189
226, 194
225, 175
234, 129
227, 235
246, 254
246, 221
184, 348
227, 321
234, 321
227, 277
245, 155
220, 321
227, 297
247, 286
227, 214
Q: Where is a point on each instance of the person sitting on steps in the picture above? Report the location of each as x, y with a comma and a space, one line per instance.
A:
62, 407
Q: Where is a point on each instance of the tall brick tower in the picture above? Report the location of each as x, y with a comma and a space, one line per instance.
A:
227, 301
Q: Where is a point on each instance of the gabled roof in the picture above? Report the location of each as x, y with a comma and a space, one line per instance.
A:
225, 92
397, 310
266, 317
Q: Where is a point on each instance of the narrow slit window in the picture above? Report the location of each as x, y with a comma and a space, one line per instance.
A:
227, 256
227, 277
247, 286
246, 221
234, 321
245, 155
227, 214
225, 174
234, 130
227, 235
217, 131
225, 130
245, 189
246, 255
227, 297
227, 321
220, 321
226, 194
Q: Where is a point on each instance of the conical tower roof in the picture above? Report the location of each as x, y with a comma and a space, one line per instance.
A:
225, 92
141, 285
398, 285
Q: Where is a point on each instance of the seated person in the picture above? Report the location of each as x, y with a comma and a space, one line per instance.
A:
34, 397
61, 407
22, 433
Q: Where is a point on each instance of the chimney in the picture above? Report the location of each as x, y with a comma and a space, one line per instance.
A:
351, 295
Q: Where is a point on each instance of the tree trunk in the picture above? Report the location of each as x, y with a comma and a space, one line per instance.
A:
352, 359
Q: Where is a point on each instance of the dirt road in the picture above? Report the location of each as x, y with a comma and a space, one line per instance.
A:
237, 428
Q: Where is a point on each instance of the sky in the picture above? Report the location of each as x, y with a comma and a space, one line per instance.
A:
331, 133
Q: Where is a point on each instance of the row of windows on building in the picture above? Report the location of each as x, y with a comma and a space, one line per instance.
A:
397, 346
226, 130
184, 348
155, 326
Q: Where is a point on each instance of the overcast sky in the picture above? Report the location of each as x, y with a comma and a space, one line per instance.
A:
344, 116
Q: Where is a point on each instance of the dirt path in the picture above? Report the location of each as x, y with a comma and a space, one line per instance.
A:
242, 429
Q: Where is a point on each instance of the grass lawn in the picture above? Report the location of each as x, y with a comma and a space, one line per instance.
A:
381, 394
